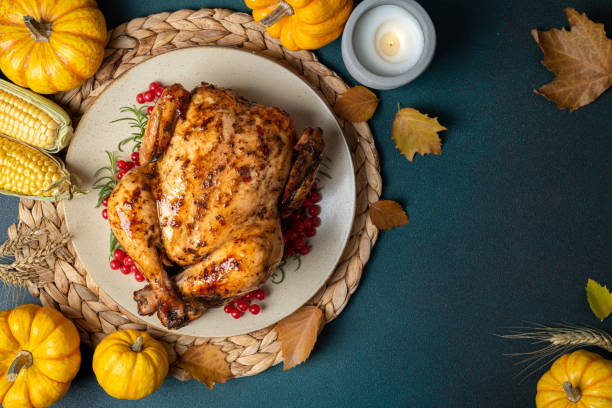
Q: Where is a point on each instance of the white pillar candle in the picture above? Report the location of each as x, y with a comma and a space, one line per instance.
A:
388, 40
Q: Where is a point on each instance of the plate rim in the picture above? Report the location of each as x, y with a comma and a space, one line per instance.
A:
157, 325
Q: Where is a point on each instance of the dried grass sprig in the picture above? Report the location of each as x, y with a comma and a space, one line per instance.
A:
556, 341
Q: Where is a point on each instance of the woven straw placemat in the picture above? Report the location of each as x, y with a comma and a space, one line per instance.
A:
73, 291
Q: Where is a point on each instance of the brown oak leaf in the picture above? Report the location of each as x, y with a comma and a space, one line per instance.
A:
298, 333
357, 104
415, 132
581, 58
207, 364
387, 214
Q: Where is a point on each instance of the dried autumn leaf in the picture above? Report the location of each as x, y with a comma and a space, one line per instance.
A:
206, 363
600, 299
387, 214
357, 104
415, 132
298, 334
581, 58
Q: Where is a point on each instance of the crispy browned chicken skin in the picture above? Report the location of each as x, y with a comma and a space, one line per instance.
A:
214, 168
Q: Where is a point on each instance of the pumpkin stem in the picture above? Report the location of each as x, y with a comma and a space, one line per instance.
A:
23, 359
137, 346
283, 9
573, 394
38, 30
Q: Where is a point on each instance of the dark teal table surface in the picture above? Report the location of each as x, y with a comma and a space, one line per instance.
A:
507, 225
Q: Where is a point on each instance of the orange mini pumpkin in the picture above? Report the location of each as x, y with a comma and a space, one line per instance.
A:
49, 45
39, 356
302, 24
581, 379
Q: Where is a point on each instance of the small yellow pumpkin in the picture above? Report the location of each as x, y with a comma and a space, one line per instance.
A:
49, 45
39, 356
302, 24
130, 364
580, 379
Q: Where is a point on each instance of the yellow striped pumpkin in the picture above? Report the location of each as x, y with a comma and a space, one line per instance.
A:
302, 24
49, 45
39, 356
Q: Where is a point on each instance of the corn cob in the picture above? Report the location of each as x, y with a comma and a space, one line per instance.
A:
33, 119
31, 173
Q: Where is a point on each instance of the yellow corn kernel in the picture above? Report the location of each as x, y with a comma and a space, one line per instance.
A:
25, 122
33, 119
17, 175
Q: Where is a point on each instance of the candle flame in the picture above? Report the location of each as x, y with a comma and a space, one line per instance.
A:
389, 44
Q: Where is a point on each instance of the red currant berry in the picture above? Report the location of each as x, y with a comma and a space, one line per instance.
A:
139, 277
105, 214
314, 210
119, 255
115, 264
149, 96
306, 203
153, 86
316, 221
307, 223
295, 217
290, 252
313, 187
249, 295
159, 91
122, 164
292, 235
299, 226
260, 294
140, 98
310, 232
135, 157
242, 305
128, 261
315, 197
105, 201
149, 110
305, 250
236, 314
134, 268
299, 243
125, 270
121, 174
129, 165
228, 308
254, 309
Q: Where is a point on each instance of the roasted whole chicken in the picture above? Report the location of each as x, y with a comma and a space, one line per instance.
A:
216, 174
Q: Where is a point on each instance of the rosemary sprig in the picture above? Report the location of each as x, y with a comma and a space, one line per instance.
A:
114, 245
137, 120
105, 184
108, 178
325, 163
279, 274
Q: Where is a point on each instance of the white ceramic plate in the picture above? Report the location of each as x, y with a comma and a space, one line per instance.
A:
257, 79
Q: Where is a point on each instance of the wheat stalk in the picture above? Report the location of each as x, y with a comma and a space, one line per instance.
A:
9, 247
30, 269
556, 341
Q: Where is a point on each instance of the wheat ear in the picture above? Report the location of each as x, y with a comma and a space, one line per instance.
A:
29, 268
557, 341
